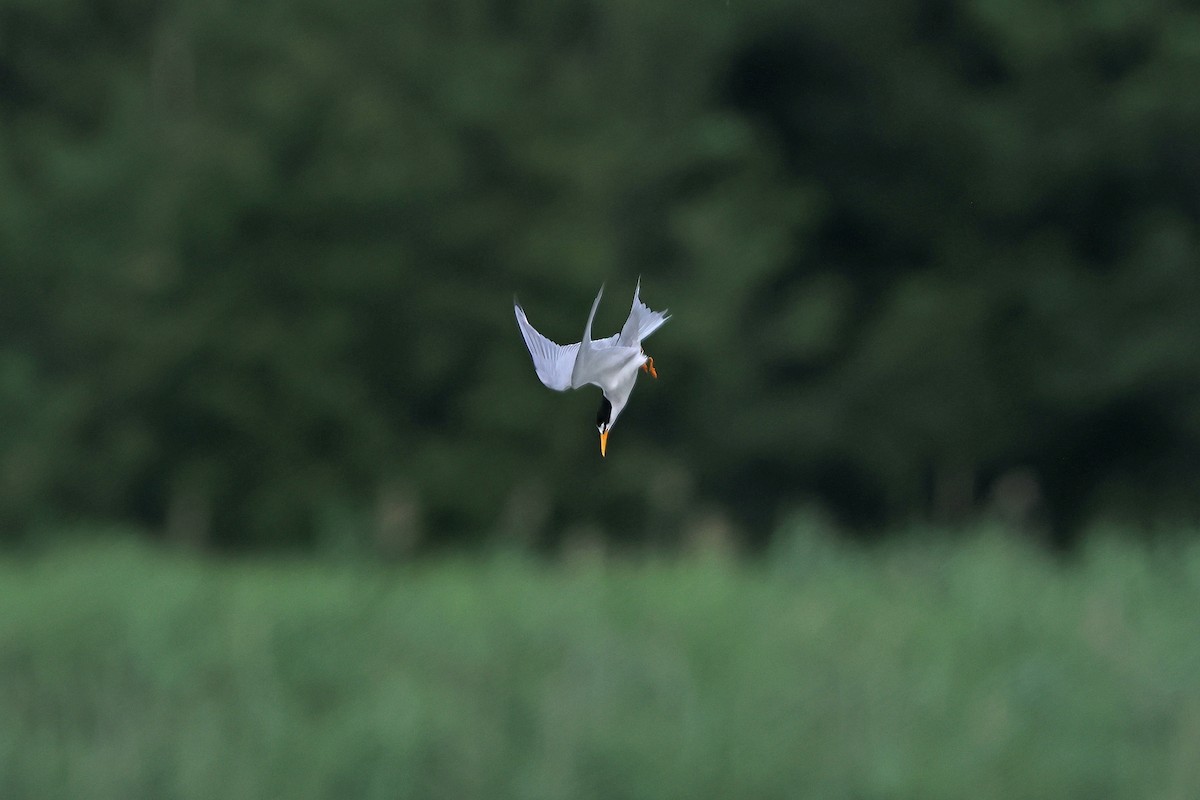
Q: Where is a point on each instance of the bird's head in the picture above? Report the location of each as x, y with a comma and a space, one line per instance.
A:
604, 421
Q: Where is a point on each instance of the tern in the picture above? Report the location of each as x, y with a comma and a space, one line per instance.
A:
612, 363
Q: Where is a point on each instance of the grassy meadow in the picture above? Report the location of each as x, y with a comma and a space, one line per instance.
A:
941, 666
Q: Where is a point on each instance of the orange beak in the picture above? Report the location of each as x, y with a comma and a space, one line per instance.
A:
603, 442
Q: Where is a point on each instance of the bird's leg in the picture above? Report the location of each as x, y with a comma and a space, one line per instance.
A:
649, 366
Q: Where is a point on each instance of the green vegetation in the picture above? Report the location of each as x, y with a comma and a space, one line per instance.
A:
256, 261
931, 667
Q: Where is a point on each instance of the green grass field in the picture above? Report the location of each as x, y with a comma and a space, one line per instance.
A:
967, 666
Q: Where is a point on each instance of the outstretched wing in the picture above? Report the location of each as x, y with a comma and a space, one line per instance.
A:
642, 321
606, 363
553, 362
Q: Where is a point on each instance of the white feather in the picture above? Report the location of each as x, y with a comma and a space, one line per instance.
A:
611, 363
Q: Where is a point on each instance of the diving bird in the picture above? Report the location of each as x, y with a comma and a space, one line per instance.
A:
612, 363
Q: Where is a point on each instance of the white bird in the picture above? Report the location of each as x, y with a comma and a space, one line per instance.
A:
612, 363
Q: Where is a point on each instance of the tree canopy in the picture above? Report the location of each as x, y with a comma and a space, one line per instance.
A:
257, 263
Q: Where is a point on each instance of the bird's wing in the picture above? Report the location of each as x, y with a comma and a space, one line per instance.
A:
553, 362
601, 362
606, 364
642, 321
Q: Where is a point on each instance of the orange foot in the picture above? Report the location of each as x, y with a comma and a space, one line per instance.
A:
649, 367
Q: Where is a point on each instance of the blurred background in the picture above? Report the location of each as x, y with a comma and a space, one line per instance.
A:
933, 373
928, 260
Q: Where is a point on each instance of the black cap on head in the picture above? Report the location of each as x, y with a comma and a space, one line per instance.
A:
604, 415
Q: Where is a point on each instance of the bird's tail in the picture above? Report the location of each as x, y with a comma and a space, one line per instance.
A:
642, 321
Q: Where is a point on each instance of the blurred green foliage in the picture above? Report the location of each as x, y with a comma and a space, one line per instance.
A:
256, 262
825, 671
